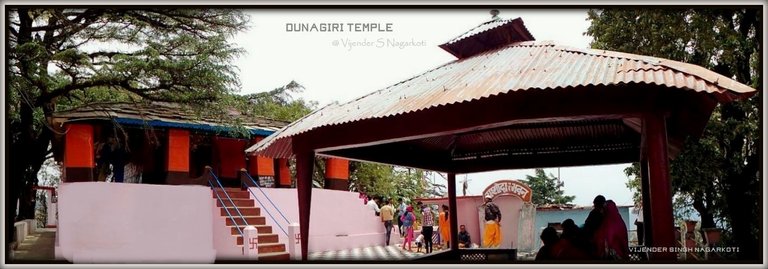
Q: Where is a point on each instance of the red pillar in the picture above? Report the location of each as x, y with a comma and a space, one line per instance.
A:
79, 153
178, 157
337, 174
646, 200
259, 166
660, 187
282, 173
453, 217
305, 162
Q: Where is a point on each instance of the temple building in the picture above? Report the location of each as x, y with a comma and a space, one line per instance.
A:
166, 143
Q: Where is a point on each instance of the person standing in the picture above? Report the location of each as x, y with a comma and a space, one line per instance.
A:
595, 217
387, 215
116, 158
593, 222
400, 211
444, 225
639, 224
373, 205
492, 236
408, 218
427, 223
611, 240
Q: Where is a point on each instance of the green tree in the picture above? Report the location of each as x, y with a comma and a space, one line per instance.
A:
383, 180
80, 56
278, 104
547, 189
719, 174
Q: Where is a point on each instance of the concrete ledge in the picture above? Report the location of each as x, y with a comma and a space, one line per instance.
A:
22, 230
31, 226
143, 255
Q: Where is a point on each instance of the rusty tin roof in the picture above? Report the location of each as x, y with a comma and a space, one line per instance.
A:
521, 66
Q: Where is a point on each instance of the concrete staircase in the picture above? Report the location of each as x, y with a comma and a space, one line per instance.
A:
270, 248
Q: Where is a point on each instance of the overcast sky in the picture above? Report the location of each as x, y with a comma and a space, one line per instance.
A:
332, 69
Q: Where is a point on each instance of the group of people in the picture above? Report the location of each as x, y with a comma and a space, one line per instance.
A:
602, 237
406, 219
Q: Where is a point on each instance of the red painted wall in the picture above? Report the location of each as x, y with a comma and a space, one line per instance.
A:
78, 147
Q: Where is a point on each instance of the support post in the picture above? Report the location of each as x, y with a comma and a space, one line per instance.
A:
251, 243
305, 162
294, 241
177, 162
337, 174
646, 196
453, 218
282, 174
79, 160
660, 187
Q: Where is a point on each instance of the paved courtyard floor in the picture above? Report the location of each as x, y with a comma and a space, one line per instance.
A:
383, 253
37, 247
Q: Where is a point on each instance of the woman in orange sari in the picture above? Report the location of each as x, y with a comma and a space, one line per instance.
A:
444, 225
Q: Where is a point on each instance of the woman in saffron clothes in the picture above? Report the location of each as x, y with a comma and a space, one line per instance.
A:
611, 239
445, 226
408, 219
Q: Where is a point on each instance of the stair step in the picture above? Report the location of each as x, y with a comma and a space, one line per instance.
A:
234, 231
275, 256
263, 239
228, 189
262, 229
246, 211
270, 247
237, 202
252, 220
232, 194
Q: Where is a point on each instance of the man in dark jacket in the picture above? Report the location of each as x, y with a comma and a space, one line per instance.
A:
594, 220
465, 241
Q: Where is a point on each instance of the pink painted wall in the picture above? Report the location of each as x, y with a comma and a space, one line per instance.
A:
101, 222
223, 241
338, 219
467, 214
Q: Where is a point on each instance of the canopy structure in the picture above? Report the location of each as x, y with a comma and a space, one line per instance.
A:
519, 103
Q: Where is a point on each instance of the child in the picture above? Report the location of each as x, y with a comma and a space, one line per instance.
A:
419, 242
408, 219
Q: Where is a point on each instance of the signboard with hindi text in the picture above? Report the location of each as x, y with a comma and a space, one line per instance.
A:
509, 187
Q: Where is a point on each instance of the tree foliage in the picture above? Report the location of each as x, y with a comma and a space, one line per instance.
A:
547, 189
277, 104
719, 174
383, 180
66, 58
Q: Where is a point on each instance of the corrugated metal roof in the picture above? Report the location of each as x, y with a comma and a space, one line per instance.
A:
489, 25
162, 112
531, 65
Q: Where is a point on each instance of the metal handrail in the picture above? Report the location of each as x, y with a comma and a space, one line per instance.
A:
265, 195
262, 205
225, 209
230, 200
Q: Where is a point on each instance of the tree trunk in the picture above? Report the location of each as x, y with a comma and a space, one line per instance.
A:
707, 220
738, 195
13, 176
